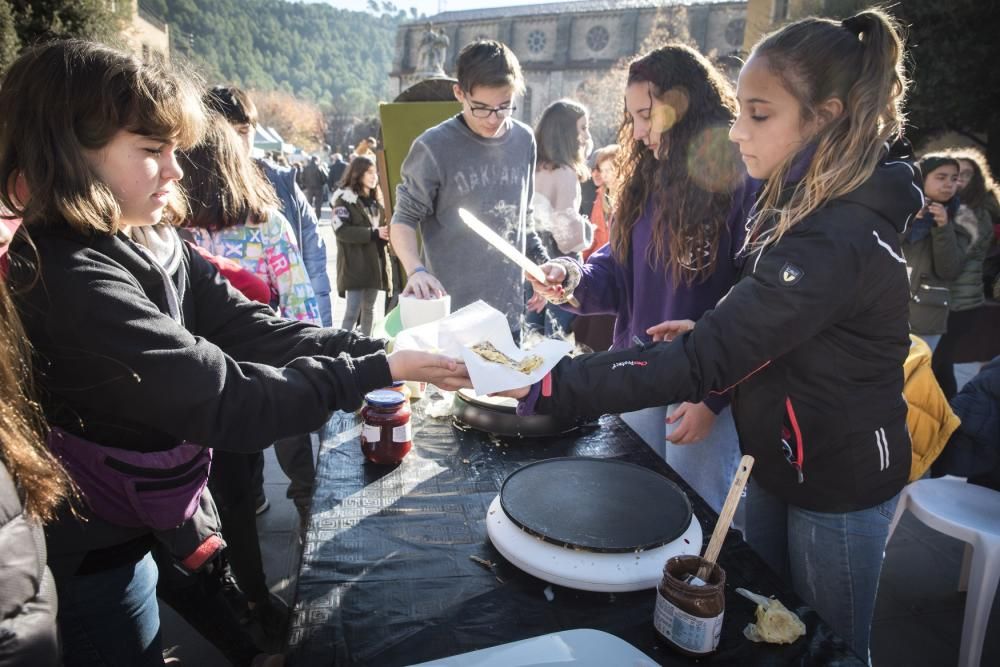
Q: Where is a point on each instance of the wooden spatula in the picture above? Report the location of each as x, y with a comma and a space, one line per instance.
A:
726, 516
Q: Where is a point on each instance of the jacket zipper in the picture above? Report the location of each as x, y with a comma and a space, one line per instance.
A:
799, 456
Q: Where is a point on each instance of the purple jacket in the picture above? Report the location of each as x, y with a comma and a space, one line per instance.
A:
640, 294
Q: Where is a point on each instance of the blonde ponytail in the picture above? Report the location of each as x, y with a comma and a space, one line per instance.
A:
860, 62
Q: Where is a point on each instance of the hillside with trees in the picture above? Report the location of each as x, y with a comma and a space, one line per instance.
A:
332, 57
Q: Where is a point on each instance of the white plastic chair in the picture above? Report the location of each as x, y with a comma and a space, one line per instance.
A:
972, 514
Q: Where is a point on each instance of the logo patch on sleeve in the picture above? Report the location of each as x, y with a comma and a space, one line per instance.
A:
791, 274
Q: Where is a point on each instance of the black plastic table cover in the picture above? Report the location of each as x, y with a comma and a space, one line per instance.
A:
390, 574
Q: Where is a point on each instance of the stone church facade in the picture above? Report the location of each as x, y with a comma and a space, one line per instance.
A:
562, 46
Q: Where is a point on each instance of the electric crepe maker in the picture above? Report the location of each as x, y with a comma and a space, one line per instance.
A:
498, 415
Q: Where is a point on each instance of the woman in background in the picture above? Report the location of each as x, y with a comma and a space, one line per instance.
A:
562, 137
362, 243
975, 232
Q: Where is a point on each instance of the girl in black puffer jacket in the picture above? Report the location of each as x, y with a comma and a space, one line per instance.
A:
32, 485
813, 336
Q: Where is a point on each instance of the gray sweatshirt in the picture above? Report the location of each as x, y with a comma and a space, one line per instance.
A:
450, 167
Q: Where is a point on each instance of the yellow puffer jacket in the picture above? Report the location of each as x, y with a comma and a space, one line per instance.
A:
929, 418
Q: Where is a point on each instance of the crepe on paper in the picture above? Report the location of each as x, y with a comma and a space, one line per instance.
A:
487, 351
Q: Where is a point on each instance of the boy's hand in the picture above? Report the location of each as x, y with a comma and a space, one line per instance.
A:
536, 303
669, 330
439, 370
424, 286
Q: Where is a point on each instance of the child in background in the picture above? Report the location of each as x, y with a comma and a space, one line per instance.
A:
142, 349
980, 192
233, 213
935, 248
813, 337
604, 177
362, 243
974, 234
237, 107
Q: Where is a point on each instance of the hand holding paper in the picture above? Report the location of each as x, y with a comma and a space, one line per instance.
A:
478, 323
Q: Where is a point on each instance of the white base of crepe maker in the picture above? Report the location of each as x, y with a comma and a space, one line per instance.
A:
585, 570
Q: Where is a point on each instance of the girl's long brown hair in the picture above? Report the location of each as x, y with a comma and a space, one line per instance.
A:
64, 98
356, 171
689, 188
224, 187
38, 474
858, 60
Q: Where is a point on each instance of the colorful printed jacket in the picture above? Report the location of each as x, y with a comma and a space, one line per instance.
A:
269, 251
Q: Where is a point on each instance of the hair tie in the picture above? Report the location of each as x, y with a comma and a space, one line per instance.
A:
854, 25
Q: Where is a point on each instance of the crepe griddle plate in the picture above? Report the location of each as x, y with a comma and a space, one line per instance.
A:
592, 524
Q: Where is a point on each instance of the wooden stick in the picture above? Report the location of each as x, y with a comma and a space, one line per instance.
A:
726, 516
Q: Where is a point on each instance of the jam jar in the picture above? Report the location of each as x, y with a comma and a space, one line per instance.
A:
688, 614
386, 435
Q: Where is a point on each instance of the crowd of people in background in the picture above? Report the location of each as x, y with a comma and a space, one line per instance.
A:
780, 233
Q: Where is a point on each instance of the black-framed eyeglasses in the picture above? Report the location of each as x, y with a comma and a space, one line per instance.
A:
486, 112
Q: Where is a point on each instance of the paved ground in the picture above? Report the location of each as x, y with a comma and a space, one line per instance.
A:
918, 617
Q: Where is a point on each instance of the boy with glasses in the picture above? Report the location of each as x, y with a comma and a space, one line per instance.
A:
481, 160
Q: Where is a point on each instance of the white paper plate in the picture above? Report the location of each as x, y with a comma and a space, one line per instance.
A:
579, 648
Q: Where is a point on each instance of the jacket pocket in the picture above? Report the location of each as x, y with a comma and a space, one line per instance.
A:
931, 296
929, 309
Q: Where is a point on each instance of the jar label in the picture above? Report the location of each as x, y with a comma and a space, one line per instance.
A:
402, 433
691, 633
371, 433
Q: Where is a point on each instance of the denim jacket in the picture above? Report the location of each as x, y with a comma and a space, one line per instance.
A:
295, 207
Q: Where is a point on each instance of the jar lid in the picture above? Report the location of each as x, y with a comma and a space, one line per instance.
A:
384, 398
398, 383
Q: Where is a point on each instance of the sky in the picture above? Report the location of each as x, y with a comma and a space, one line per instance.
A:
431, 7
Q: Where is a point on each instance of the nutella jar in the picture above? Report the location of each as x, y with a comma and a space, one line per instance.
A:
401, 387
688, 615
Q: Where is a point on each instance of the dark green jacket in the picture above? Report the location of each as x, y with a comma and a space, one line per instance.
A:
933, 263
362, 257
967, 288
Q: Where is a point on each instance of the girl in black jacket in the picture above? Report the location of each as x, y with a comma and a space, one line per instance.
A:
814, 334
146, 358
32, 486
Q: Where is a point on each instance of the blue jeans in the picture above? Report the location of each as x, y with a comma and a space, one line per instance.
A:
708, 465
932, 340
111, 618
833, 559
